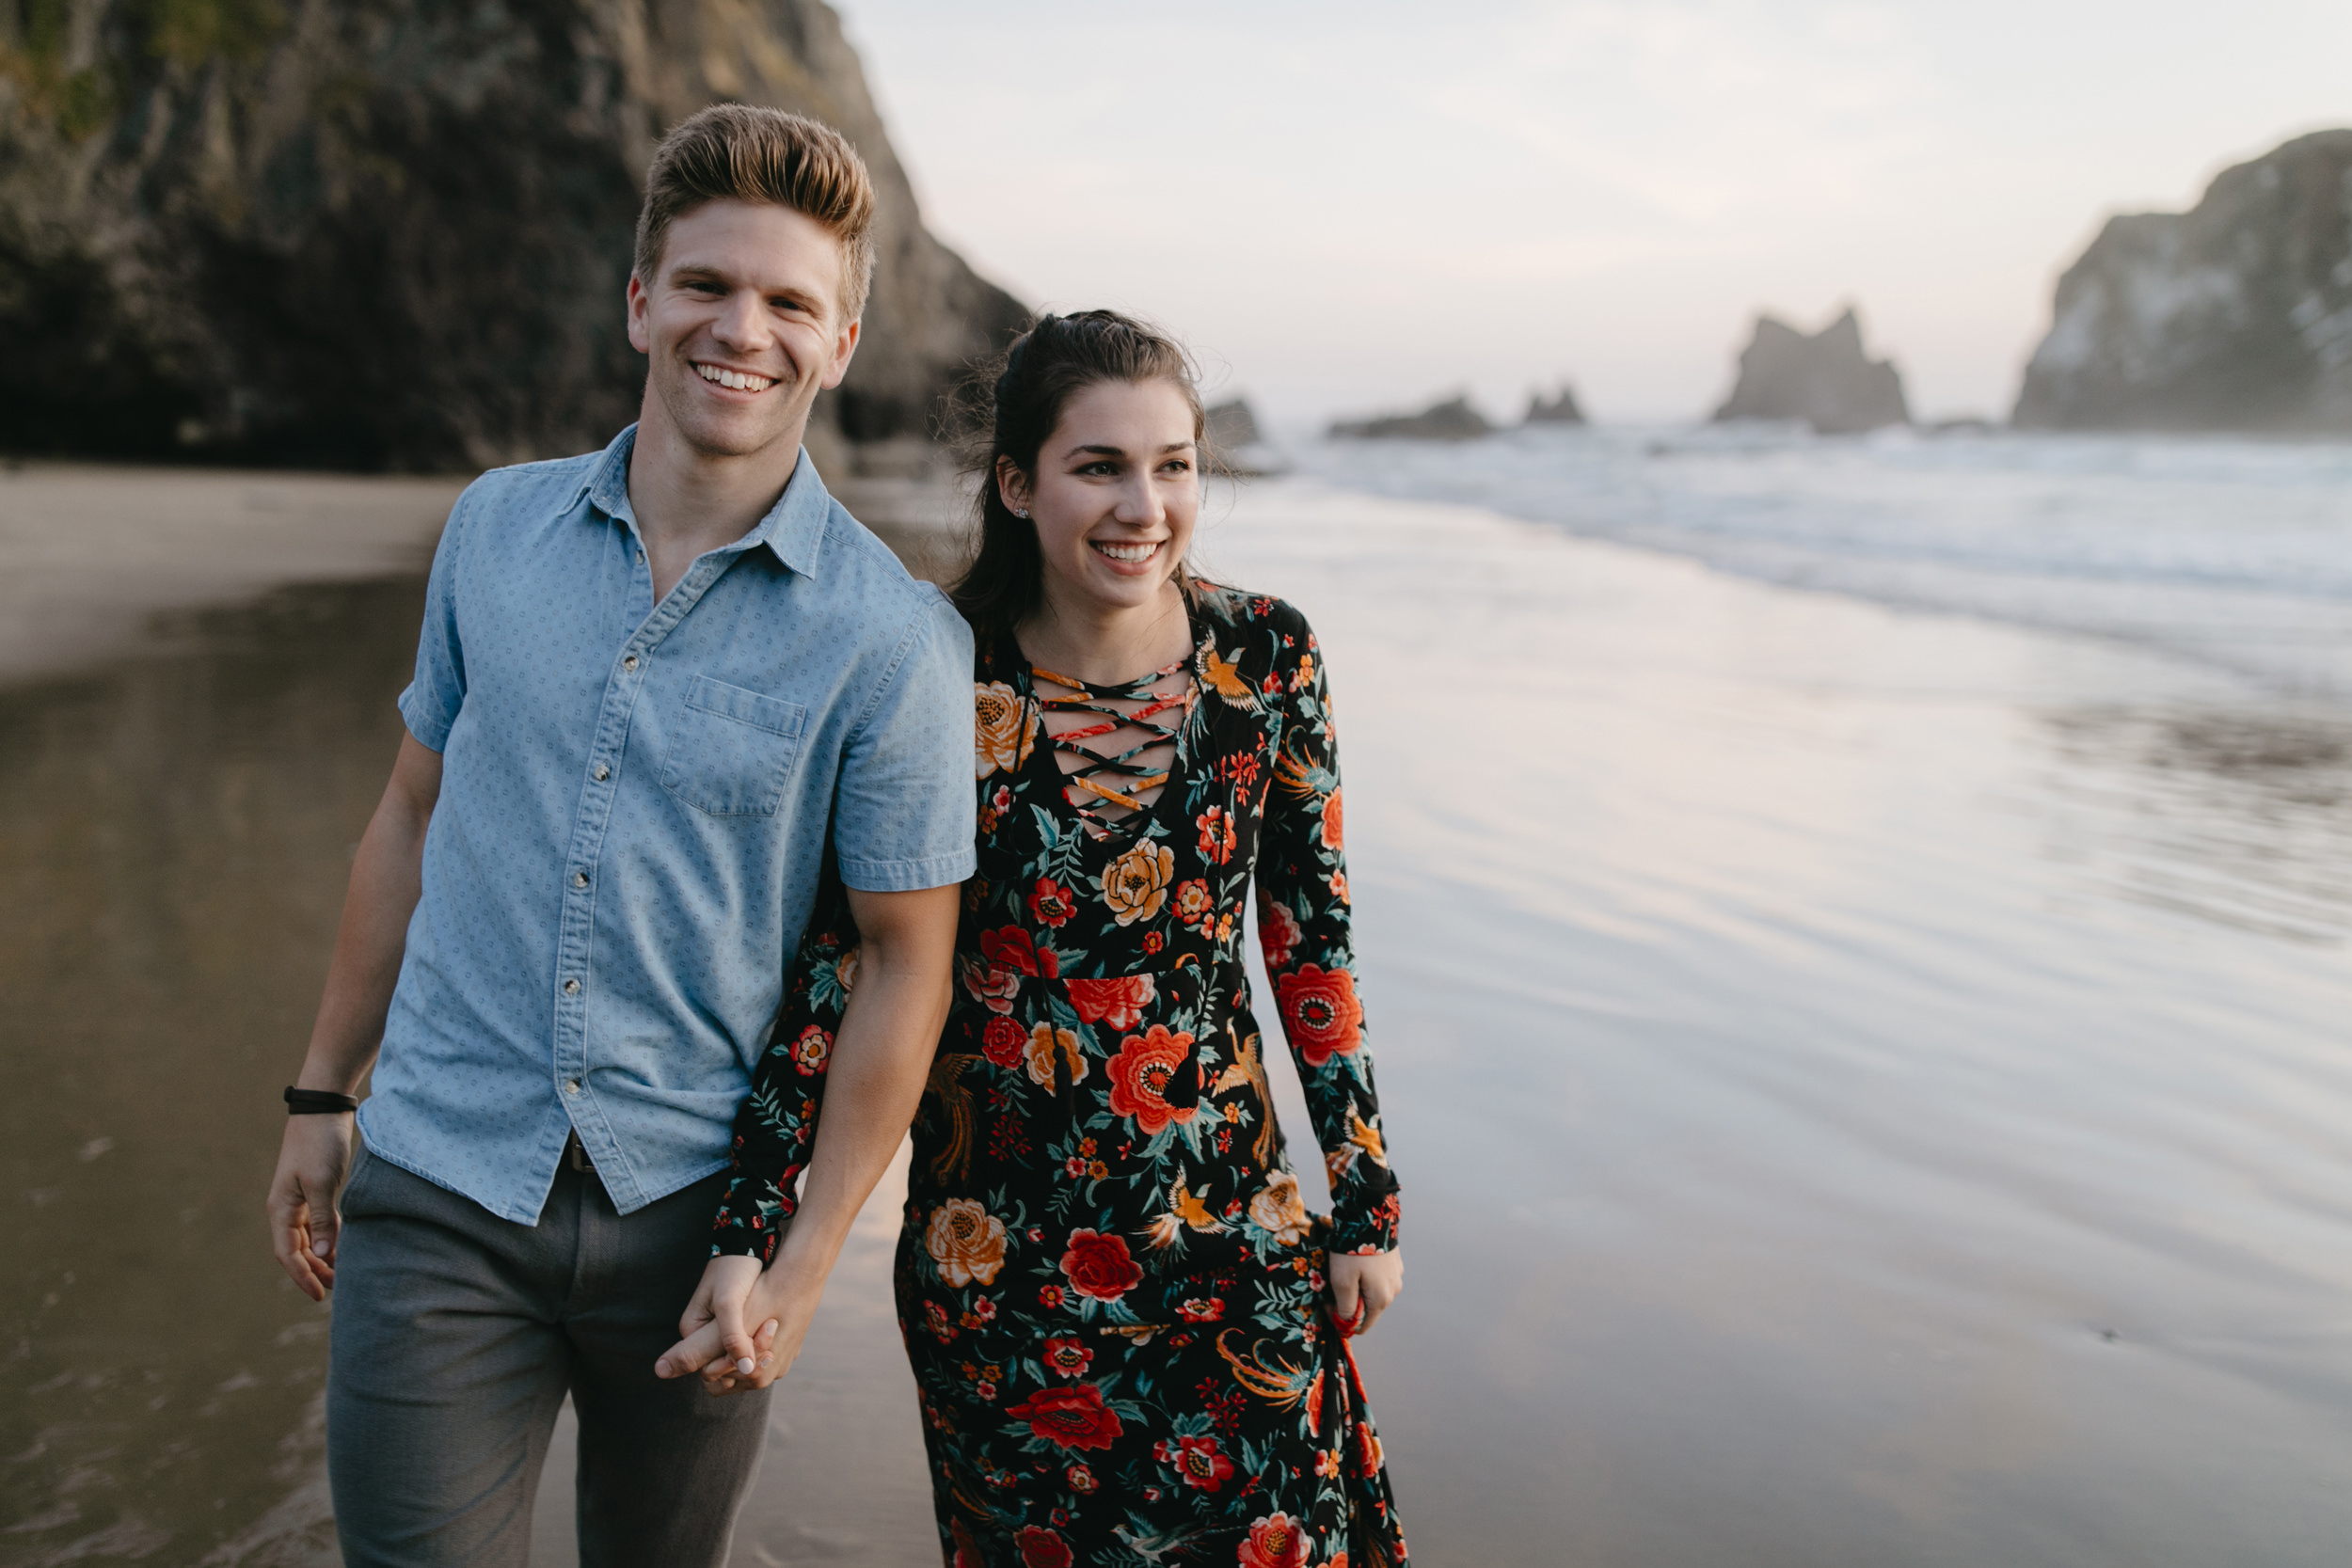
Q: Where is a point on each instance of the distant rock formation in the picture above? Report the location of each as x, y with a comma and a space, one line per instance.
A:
1453, 419
1559, 408
395, 233
1826, 380
1239, 445
2234, 315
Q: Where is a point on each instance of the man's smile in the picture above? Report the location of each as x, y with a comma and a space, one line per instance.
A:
741, 381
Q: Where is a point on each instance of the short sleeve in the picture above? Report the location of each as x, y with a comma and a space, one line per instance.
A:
904, 814
429, 705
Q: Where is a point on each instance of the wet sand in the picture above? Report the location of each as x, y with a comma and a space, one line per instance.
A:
1869, 1086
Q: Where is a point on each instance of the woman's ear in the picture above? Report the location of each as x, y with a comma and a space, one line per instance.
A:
1013, 486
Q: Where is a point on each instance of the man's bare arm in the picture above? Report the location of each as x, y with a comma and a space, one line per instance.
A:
881, 1058
387, 878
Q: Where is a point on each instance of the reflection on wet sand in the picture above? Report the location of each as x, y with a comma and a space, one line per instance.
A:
174, 833
2238, 815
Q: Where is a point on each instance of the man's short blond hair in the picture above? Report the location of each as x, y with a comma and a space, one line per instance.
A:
736, 152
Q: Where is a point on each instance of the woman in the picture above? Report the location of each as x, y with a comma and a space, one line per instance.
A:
1127, 1332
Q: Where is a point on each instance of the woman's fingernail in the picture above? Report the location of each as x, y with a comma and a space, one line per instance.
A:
744, 1366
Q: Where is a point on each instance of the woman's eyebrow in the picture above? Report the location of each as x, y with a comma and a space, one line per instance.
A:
1100, 451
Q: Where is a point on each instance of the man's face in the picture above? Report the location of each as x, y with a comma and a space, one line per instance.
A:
741, 325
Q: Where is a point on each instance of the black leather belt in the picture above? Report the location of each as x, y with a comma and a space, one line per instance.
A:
576, 1156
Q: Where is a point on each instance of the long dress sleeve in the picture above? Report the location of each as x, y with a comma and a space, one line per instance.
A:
1310, 956
775, 1128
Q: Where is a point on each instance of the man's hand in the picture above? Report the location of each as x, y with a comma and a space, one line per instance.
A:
1366, 1283
304, 1224
717, 1340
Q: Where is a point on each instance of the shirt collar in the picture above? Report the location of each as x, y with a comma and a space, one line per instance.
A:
793, 528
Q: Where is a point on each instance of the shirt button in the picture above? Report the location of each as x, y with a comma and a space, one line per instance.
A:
641, 557
571, 987
629, 663
580, 879
571, 1085
603, 772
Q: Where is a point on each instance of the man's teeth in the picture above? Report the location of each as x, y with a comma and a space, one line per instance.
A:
741, 381
1127, 552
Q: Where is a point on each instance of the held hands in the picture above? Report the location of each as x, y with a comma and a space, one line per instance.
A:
716, 1339
304, 1224
1364, 1283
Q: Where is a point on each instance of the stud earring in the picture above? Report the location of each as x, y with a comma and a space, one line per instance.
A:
1021, 512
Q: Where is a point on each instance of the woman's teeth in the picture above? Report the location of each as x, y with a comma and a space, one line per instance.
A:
741, 381
1129, 553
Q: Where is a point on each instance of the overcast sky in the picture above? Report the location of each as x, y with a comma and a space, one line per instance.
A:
1357, 206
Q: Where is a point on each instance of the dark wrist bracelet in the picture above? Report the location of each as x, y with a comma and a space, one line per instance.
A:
319, 1102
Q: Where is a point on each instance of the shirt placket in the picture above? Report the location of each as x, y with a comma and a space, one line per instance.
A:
608, 763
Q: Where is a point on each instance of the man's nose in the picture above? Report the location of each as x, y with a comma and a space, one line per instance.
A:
742, 324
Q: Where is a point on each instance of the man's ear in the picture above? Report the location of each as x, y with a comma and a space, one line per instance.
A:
639, 339
844, 345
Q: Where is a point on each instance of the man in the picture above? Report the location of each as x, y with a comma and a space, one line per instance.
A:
651, 682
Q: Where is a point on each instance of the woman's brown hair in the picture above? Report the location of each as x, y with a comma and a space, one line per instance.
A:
1051, 363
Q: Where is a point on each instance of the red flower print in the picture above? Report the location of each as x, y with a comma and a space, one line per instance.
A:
1100, 1266
1072, 1417
967, 1552
1198, 1460
1154, 941
1118, 1003
1276, 1542
1216, 834
1277, 934
812, 1051
1050, 1295
1050, 903
1141, 1074
993, 984
1010, 948
1001, 1042
1368, 1449
1067, 1357
1339, 886
1331, 821
1041, 1549
935, 1318
1203, 1310
1192, 901
1082, 1480
1321, 1008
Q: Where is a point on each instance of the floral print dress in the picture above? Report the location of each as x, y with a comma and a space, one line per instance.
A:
1110, 1289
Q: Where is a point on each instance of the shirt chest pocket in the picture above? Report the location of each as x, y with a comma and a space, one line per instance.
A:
731, 751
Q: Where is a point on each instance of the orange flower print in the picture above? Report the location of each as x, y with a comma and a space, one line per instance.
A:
1278, 1211
812, 1051
966, 1242
1135, 884
1276, 1541
1332, 822
1141, 1074
1192, 901
1004, 729
1216, 834
1339, 887
1044, 1041
1321, 1010
1118, 1002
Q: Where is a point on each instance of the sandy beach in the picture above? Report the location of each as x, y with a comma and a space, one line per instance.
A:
1867, 1083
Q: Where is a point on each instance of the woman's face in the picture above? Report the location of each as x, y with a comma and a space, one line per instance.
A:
1114, 497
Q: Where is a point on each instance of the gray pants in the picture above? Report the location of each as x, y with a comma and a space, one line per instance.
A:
457, 1336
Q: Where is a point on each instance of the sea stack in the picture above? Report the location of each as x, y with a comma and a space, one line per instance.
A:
2234, 315
1559, 408
1453, 419
1826, 379
377, 234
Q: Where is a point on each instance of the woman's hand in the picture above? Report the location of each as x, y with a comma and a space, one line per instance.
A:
716, 1339
1364, 1283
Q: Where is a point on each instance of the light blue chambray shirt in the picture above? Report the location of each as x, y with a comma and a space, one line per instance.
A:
633, 810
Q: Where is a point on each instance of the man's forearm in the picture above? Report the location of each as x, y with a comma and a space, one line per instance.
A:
386, 879
879, 1062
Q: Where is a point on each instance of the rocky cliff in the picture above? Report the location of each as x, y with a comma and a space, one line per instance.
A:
394, 232
2234, 315
1451, 420
1826, 379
